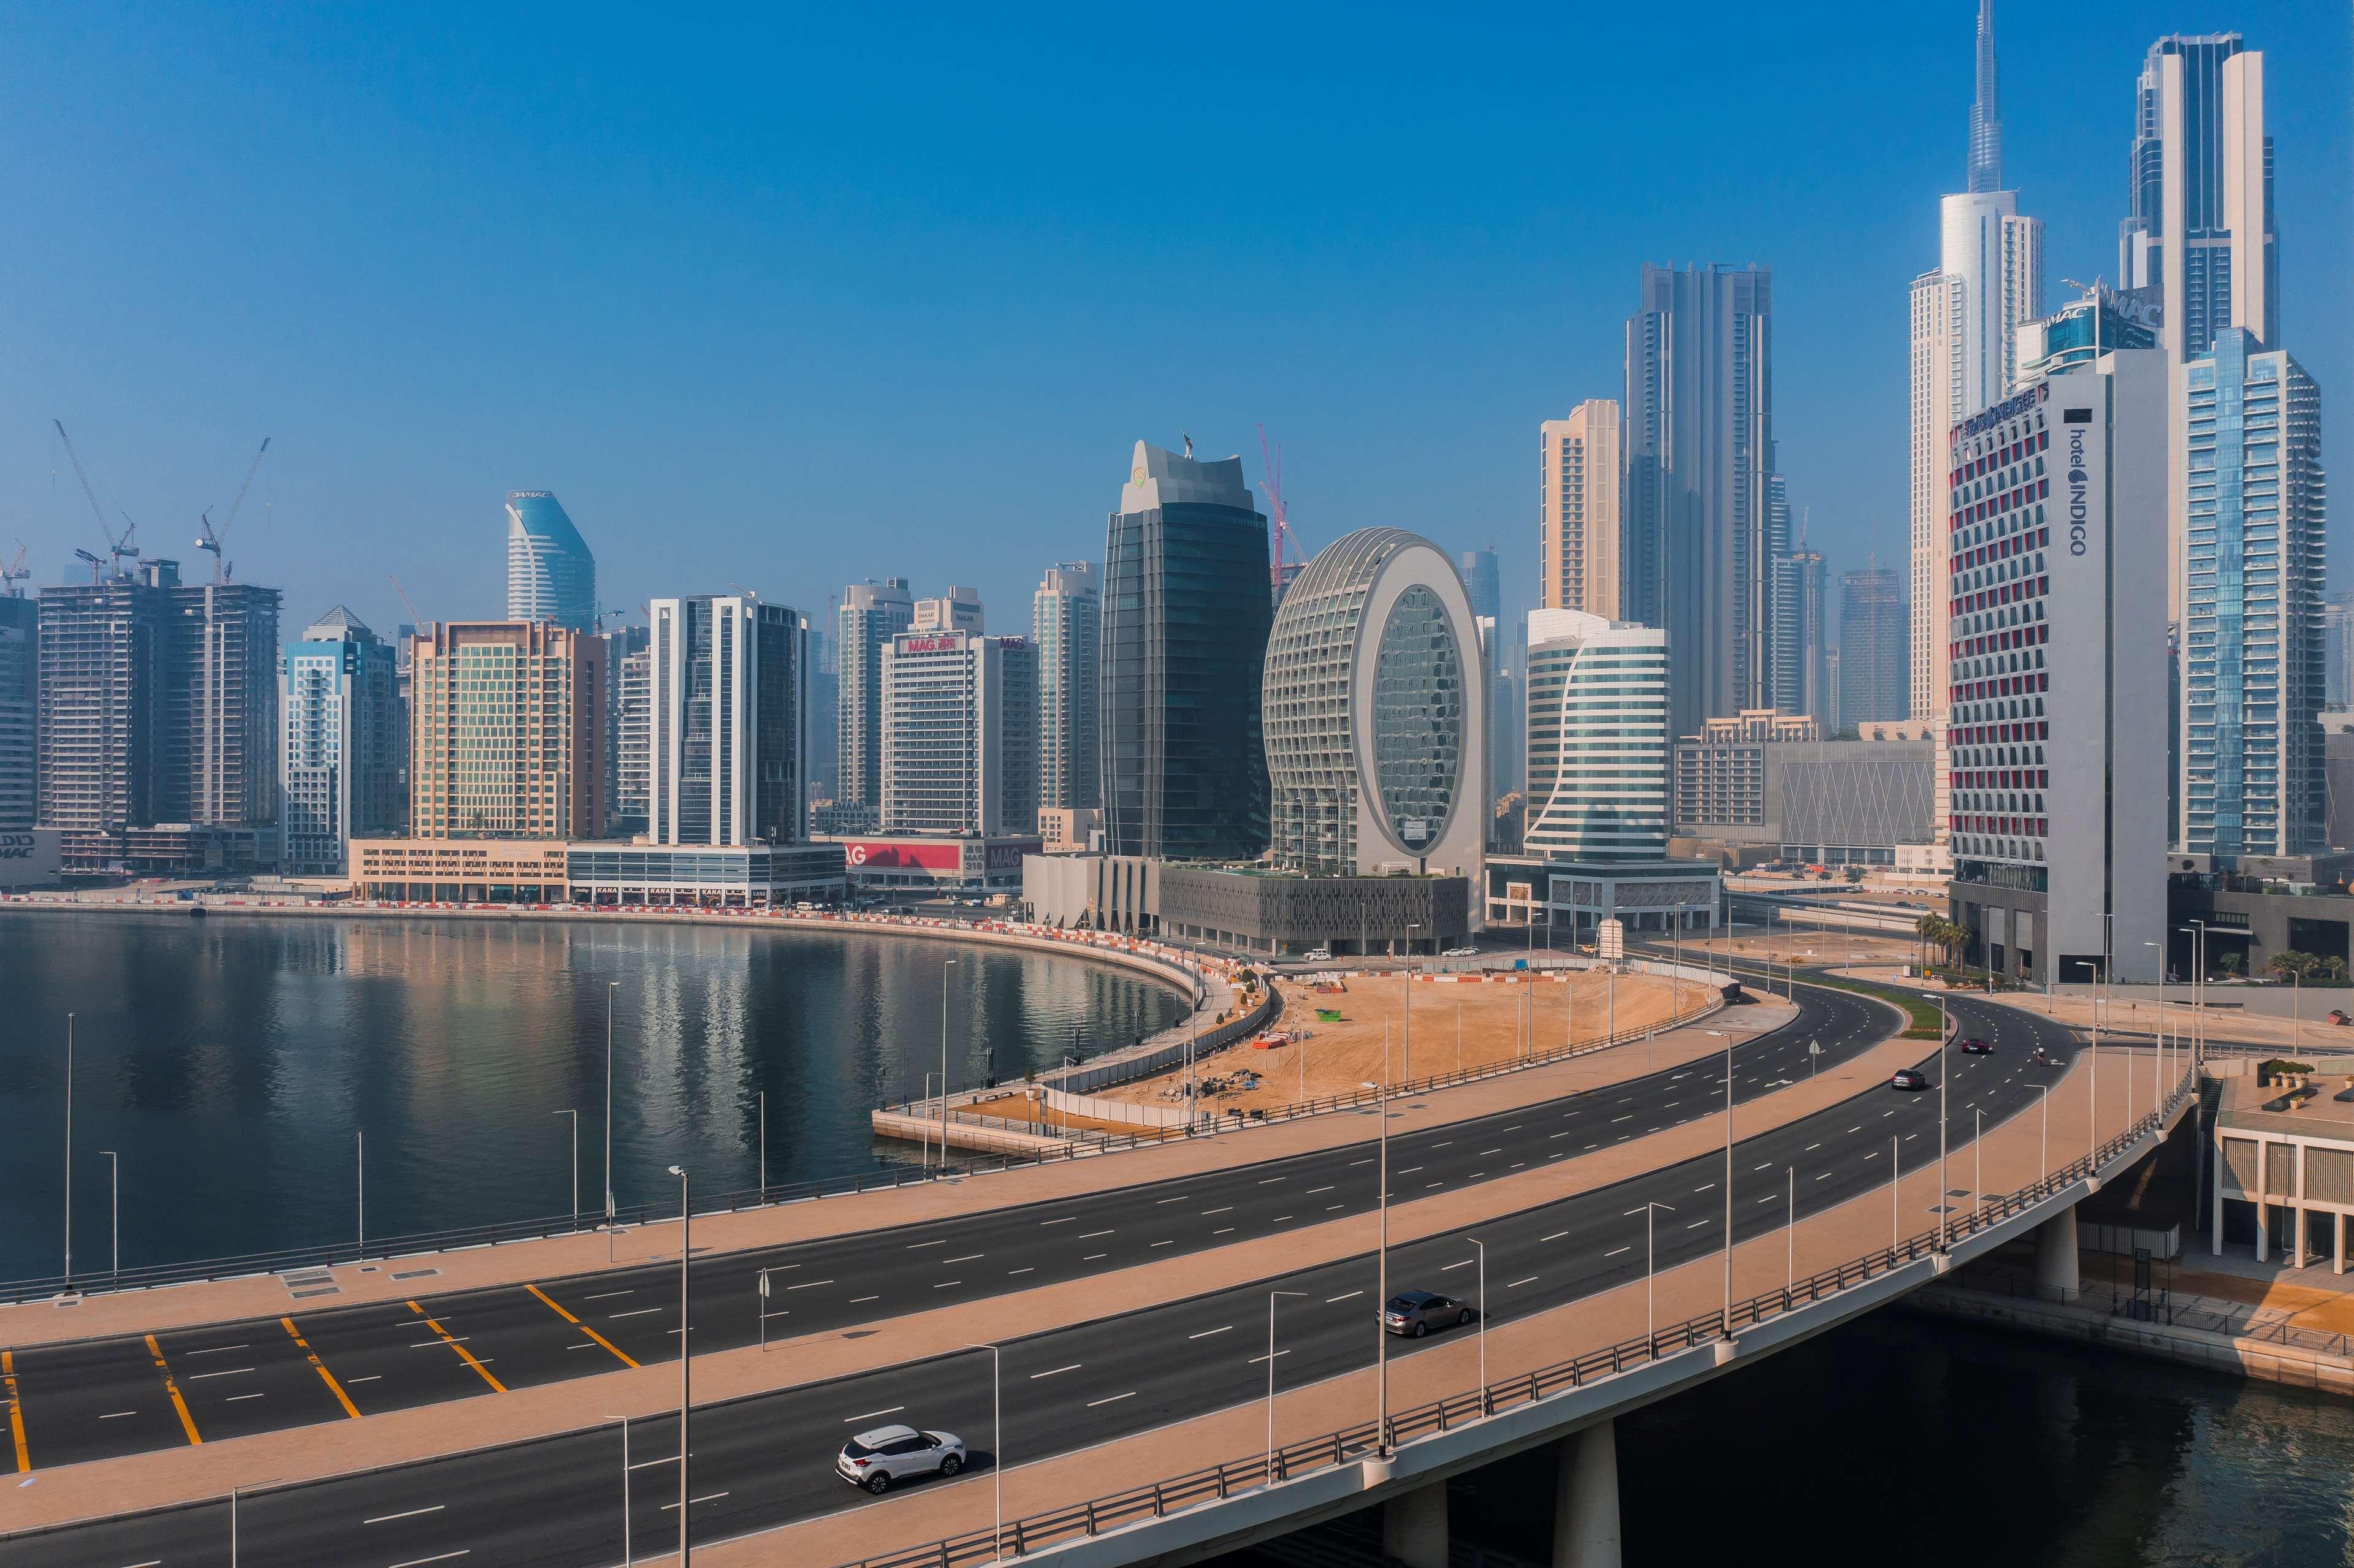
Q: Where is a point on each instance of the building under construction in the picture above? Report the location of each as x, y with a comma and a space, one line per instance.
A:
159, 722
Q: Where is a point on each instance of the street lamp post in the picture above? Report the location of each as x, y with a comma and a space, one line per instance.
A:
1381, 1263
1482, 1309
946, 965
69, 1049
115, 1212
1650, 1318
1728, 1186
1790, 1239
1945, 1066
611, 987
2043, 1150
1271, 1297
2093, 1084
359, 1137
685, 1347
764, 1146
574, 1115
996, 1444
1406, 1027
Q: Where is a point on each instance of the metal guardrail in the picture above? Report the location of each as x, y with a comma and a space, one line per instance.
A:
1216, 1482
2206, 1314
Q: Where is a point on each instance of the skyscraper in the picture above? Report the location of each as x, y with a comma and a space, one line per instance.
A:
622, 644
872, 613
1804, 683
1965, 316
725, 722
2199, 241
101, 702
506, 731
20, 664
1598, 704
961, 732
1578, 519
2337, 653
633, 773
1184, 634
342, 758
1066, 629
1484, 581
2056, 579
1873, 636
2254, 669
551, 576
1701, 534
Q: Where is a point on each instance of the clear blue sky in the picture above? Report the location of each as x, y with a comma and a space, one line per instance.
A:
790, 300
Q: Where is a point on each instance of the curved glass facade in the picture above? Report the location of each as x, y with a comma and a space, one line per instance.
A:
1417, 719
1410, 677
551, 575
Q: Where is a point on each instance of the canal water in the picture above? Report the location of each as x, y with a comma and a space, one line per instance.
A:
230, 1063
1904, 1439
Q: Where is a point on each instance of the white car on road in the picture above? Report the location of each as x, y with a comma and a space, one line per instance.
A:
887, 1454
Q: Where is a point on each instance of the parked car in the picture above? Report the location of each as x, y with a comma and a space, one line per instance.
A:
1908, 1078
1974, 1046
1415, 1312
887, 1454
1317, 956
1460, 953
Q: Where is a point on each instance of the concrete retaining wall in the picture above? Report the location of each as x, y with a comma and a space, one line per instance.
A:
2190, 1346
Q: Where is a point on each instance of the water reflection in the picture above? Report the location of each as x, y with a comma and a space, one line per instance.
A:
232, 1060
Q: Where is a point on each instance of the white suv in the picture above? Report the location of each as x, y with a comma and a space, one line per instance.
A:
876, 1460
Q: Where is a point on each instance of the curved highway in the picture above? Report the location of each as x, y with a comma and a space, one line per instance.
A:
766, 1459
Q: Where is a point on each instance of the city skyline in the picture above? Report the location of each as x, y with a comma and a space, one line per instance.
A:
394, 472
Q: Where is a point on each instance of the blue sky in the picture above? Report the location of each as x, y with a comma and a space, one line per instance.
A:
794, 299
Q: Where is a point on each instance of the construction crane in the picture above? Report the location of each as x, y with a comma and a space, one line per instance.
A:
118, 549
14, 573
1286, 541
214, 537
414, 619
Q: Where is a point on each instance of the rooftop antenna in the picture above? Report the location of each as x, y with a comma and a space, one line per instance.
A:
212, 538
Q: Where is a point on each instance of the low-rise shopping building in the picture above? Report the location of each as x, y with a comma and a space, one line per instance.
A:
554, 871
2284, 1163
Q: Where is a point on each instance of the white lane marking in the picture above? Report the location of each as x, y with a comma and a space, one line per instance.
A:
1767, 1199
1178, 1199
1485, 1152
610, 1318
1255, 1360
1453, 1267
1012, 1272
649, 1464
412, 1513
1824, 1177
1207, 1332
240, 1372
1270, 1181
1171, 1241
854, 1301
1409, 1170
873, 1414
1695, 1225
804, 1285
235, 1397
118, 1416
372, 1377
1811, 1148
1056, 1372
606, 1294
1516, 1283
913, 1246
1704, 1186
709, 1497
1329, 1208
1616, 1119
1279, 1219
966, 1258
1445, 1145
465, 1551
1313, 1191
1614, 1252
1555, 1237
1367, 1161
1115, 1399
1351, 1297
1226, 1230
1557, 1134
946, 1283
1090, 1236
1093, 1256
213, 1350
1221, 1208
1765, 1166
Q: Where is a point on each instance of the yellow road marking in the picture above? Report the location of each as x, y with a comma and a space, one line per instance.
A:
324, 1375
187, 1422
16, 1414
577, 1323
464, 1353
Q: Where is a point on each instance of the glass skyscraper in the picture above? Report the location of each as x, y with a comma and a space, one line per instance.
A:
344, 740
1185, 617
1067, 628
551, 576
2253, 675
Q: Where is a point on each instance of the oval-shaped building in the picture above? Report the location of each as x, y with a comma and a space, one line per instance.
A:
1372, 704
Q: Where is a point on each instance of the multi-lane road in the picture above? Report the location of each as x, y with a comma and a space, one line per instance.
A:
766, 1460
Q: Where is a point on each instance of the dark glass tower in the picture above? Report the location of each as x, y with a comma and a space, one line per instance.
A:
1184, 635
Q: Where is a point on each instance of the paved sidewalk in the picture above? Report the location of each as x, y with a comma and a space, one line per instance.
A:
151, 1478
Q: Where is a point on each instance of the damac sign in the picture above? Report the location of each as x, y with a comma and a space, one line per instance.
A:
16, 846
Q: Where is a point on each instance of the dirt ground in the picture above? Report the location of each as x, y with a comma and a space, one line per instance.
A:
1488, 1017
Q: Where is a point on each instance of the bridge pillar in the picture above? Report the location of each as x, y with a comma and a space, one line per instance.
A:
2056, 1255
1585, 1499
1414, 1527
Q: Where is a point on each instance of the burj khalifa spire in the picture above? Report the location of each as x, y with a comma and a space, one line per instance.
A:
1986, 111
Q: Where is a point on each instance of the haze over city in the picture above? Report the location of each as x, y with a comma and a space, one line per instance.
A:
788, 303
